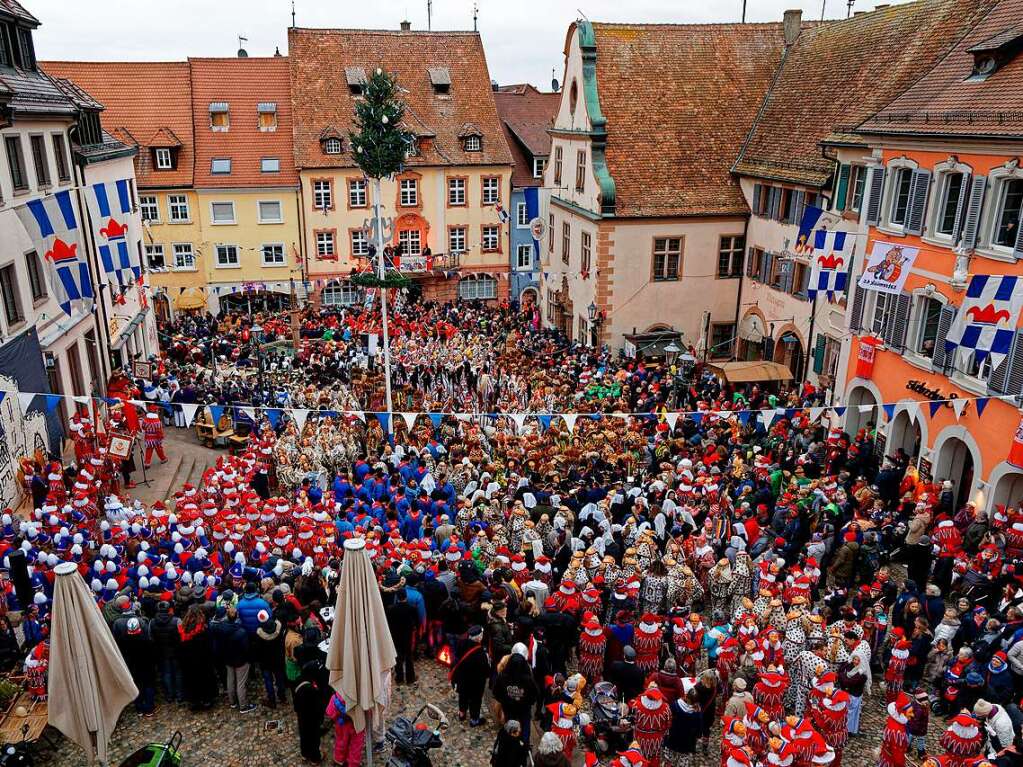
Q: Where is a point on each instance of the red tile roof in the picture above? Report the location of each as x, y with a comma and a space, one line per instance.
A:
678, 101
243, 83
944, 102
526, 114
838, 73
321, 95
141, 100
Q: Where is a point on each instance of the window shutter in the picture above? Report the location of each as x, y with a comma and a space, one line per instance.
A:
842, 190
798, 206
805, 282
1017, 250
997, 382
964, 199
818, 354
972, 221
758, 192
749, 262
918, 187
939, 362
899, 323
856, 313
765, 267
875, 186
787, 269
768, 348
775, 198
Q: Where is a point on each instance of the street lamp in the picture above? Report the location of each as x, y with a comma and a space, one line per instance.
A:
596, 319
671, 352
257, 338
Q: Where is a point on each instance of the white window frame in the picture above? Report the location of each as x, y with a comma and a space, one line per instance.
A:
179, 249
936, 202
917, 323
857, 177
411, 241
332, 146
883, 303
263, 164
213, 215
539, 166
524, 264
323, 191
473, 144
463, 233
264, 220
358, 193
179, 201
408, 191
164, 159
485, 235
152, 202
326, 244
477, 287
359, 241
892, 172
226, 246
152, 249
341, 294
225, 170
490, 192
993, 206
259, 119
521, 216
457, 189
273, 264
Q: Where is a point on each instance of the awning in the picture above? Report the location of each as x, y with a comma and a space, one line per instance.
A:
751, 372
130, 327
190, 298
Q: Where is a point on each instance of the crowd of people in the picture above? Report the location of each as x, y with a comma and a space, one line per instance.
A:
639, 589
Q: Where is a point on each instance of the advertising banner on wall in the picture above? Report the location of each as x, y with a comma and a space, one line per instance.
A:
887, 267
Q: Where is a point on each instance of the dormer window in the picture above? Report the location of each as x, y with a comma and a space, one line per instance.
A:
267, 112
412, 150
332, 146
472, 144
995, 52
472, 138
440, 78
356, 77
163, 158
220, 116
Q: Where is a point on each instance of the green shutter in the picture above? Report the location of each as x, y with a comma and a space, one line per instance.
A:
843, 187
818, 354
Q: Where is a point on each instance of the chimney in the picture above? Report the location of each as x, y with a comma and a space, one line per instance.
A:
406, 26
494, 86
791, 24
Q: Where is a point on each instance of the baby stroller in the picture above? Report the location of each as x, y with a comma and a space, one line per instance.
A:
609, 730
157, 754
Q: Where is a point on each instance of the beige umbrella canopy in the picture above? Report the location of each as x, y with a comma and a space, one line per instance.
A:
88, 683
361, 653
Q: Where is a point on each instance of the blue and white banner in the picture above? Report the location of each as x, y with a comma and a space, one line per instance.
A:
804, 237
828, 273
115, 231
52, 224
532, 197
986, 321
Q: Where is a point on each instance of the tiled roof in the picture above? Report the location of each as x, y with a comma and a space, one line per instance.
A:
945, 103
140, 99
15, 9
321, 96
836, 74
29, 92
526, 114
678, 100
78, 97
244, 84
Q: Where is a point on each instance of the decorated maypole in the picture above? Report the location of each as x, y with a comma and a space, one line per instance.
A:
380, 147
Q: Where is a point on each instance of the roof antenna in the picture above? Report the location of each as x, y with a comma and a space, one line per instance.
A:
743, 11
554, 81
242, 53
429, 15
849, 6
824, 4
475, 16
292, 14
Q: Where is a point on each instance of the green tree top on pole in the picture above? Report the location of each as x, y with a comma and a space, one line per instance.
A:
380, 145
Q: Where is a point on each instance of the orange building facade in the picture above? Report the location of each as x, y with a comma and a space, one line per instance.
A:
944, 178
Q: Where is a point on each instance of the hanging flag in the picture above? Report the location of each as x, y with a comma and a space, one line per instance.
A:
958, 406
545, 422
839, 411
114, 230
811, 215
273, 415
189, 411
828, 272
816, 413
502, 214
531, 194
935, 407
887, 267
409, 419
25, 400
1016, 451
300, 415
436, 419
385, 421
986, 321
53, 401
889, 410
569, 419
671, 419
52, 225
519, 419
981, 403
360, 415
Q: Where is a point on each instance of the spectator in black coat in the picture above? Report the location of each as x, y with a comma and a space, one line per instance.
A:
626, 675
131, 633
511, 749
231, 645
469, 676
166, 642
402, 620
268, 652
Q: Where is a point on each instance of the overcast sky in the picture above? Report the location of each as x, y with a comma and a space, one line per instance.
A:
523, 38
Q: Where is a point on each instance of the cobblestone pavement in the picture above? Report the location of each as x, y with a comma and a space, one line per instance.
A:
225, 738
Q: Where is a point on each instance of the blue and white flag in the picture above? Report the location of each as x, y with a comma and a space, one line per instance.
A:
804, 237
502, 214
52, 224
115, 231
532, 197
986, 321
828, 273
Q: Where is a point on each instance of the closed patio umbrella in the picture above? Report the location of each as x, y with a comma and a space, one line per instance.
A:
88, 683
361, 653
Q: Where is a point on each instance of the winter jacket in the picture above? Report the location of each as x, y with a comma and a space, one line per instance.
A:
230, 642
1016, 657
844, 565
248, 611
166, 638
934, 668
685, 729
999, 728
268, 648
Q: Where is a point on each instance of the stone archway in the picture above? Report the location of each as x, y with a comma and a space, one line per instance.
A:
528, 298
904, 432
957, 459
855, 418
